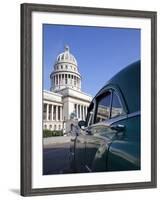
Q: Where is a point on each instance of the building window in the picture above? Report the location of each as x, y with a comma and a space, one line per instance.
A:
55, 127
66, 81
50, 107
74, 80
45, 126
61, 66
59, 127
50, 126
66, 66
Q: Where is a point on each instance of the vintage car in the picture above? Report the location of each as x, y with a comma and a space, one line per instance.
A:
110, 136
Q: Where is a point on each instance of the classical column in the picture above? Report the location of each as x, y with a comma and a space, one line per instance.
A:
61, 113
47, 111
77, 110
73, 80
84, 112
56, 114
58, 79
70, 79
53, 81
80, 112
52, 106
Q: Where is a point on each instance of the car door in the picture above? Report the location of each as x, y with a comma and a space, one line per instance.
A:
124, 151
96, 141
108, 123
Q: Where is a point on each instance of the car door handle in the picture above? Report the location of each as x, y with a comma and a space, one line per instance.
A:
118, 127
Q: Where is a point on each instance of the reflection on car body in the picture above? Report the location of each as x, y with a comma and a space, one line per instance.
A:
110, 136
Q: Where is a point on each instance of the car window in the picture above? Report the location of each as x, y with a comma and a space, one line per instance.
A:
103, 107
117, 108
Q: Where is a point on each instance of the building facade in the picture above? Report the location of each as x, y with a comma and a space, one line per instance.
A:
65, 104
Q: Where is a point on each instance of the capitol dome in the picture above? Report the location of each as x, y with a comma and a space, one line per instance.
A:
66, 56
65, 73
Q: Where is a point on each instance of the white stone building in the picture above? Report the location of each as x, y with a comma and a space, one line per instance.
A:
65, 103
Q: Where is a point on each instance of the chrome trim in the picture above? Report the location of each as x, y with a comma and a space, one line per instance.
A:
134, 114
109, 122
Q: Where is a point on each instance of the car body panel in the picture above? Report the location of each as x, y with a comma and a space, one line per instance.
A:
112, 144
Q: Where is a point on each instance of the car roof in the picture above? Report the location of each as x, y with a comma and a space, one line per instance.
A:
128, 82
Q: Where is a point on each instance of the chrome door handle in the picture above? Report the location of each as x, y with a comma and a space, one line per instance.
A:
118, 127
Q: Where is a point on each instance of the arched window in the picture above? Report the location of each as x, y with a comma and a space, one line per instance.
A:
66, 80
74, 80
50, 126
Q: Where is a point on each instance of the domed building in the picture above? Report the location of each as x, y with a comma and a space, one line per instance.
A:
65, 72
65, 103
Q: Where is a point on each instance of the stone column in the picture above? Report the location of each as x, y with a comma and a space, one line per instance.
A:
47, 111
61, 113
80, 112
77, 110
58, 79
52, 106
56, 114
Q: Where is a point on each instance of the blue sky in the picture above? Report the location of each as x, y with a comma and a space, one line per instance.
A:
100, 52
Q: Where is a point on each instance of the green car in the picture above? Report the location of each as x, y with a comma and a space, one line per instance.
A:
110, 136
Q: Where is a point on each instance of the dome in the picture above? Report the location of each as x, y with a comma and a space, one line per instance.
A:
65, 73
66, 56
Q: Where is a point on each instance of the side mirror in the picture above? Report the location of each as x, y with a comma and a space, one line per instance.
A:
81, 124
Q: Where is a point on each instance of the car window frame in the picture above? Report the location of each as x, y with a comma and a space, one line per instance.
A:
96, 105
115, 90
88, 114
119, 99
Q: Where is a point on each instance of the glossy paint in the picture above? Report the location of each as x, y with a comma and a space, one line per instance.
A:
113, 144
